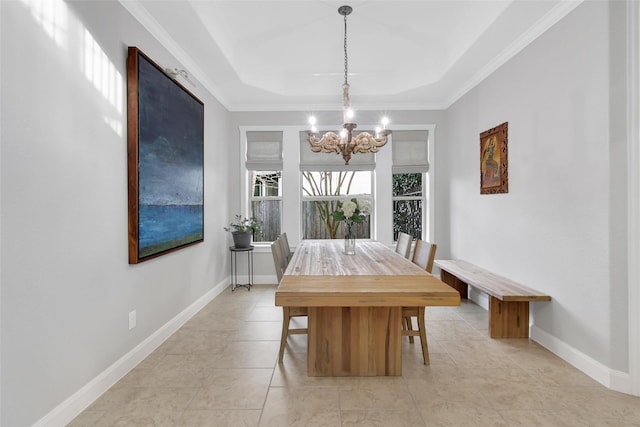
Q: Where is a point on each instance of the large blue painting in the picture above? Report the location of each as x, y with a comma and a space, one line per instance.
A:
166, 164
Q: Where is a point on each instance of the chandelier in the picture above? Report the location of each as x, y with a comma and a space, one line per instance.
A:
346, 143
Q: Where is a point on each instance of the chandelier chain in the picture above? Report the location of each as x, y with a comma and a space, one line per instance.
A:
346, 62
346, 142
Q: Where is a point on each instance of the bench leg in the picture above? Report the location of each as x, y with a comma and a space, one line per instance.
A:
455, 283
508, 319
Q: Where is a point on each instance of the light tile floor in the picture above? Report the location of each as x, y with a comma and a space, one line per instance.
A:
220, 369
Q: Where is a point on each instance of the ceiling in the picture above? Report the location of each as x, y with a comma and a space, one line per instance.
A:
288, 55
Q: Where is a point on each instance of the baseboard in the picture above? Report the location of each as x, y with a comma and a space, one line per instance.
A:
266, 279
615, 380
263, 279
478, 297
612, 379
80, 400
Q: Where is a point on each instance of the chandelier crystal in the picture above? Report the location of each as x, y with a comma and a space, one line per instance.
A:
346, 143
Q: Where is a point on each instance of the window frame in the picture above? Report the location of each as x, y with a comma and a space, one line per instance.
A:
245, 188
428, 186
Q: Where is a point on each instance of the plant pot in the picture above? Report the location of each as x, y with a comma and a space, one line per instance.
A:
241, 239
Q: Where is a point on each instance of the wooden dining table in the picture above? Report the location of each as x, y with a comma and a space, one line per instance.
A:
355, 304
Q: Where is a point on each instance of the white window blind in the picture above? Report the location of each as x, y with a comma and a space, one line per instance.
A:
264, 150
332, 162
410, 151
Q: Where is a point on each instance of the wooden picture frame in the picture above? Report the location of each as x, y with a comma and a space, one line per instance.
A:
494, 160
165, 150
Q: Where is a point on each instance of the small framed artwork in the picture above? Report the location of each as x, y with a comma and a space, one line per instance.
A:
165, 150
494, 161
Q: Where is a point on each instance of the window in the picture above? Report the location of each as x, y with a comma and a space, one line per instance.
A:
321, 192
326, 180
407, 204
264, 164
266, 203
410, 164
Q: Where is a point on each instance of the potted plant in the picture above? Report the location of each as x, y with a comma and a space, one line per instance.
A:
242, 230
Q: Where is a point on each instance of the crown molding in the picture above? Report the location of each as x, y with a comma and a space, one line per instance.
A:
242, 108
558, 12
140, 13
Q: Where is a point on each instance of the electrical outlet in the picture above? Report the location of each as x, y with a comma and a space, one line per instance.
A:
132, 319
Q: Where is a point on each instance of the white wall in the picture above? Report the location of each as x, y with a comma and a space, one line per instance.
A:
561, 228
67, 288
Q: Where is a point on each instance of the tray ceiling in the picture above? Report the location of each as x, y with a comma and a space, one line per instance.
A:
288, 55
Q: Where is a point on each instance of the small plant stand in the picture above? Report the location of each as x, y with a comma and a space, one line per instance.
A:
234, 267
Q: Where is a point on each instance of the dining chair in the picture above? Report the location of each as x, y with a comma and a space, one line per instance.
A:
403, 247
423, 256
286, 250
285, 245
276, 252
287, 312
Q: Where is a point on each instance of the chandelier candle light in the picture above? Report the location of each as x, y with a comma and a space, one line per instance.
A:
346, 143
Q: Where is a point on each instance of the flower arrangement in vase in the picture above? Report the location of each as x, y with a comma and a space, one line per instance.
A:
351, 212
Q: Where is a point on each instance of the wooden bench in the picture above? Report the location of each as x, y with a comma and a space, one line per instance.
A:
508, 300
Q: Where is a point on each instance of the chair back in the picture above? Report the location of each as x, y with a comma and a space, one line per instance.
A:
403, 247
278, 261
424, 254
286, 249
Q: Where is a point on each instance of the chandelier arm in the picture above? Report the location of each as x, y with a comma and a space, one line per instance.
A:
329, 143
365, 142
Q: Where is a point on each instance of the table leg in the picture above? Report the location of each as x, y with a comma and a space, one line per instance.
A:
354, 341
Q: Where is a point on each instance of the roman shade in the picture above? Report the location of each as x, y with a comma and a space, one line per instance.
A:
410, 151
264, 150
